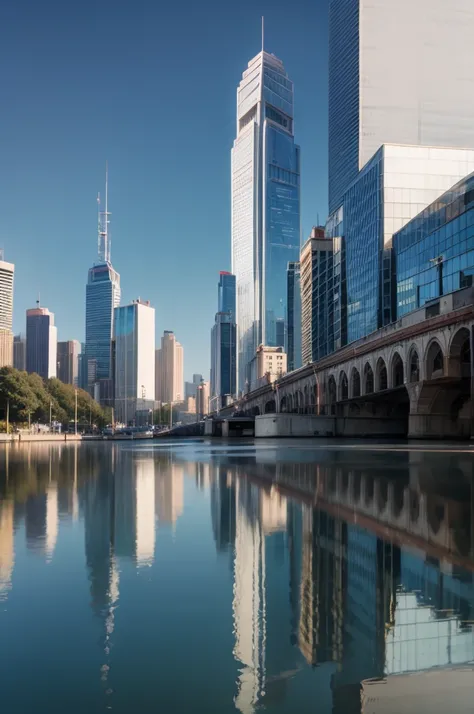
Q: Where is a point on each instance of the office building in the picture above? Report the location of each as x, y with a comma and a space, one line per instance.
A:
202, 399
396, 184
269, 364
226, 293
265, 205
102, 297
397, 75
434, 252
134, 335
317, 299
19, 352
293, 317
169, 370
223, 355
7, 271
190, 388
41, 342
68, 361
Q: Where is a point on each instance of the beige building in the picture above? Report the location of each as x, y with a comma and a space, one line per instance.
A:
68, 361
202, 399
6, 348
169, 370
7, 271
315, 308
269, 364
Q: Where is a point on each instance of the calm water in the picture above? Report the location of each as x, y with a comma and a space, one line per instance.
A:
211, 578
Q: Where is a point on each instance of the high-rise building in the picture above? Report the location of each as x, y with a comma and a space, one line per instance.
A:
381, 94
169, 370
7, 271
19, 352
293, 317
41, 342
202, 399
265, 204
102, 297
134, 335
190, 388
223, 354
317, 312
226, 293
68, 361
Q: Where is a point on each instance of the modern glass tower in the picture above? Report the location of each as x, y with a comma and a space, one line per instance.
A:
102, 297
226, 293
397, 75
223, 344
265, 204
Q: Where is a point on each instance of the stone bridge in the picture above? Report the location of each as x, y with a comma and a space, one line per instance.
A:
417, 371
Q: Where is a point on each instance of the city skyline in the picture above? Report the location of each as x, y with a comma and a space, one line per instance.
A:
61, 214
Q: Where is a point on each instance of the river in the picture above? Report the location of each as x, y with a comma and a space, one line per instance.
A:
207, 577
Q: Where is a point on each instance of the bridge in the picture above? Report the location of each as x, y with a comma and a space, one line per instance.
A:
412, 378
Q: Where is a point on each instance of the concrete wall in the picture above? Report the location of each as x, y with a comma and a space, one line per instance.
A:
301, 425
366, 427
437, 426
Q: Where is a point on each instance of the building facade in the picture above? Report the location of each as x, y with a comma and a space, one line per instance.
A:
379, 95
269, 364
317, 297
19, 352
41, 342
7, 272
134, 335
68, 361
226, 293
265, 205
293, 317
202, 399
223, 356
169, 375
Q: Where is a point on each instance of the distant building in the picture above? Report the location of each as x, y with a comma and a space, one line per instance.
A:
269, 364
190, 388
68, 361
134, 334
293, 317
317, 299
169, 377
7, 271
41, 342
226, 293
19, 352
202, 399
223, 357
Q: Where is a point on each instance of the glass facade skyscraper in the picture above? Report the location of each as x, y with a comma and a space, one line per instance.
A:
102, 297
397, 75
265, 205
226, 293
317, 297
293, 319
223, 344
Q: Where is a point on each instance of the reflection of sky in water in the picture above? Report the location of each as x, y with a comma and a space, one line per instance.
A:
209, 578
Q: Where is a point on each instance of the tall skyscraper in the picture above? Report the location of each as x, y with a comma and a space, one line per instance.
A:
223, 344
19, 352
41, 342
7, 271
134, 335
226, 293
169, 370
102, 297
293, 319
68, 361
317, 300
202, 399
380, 93
265, 204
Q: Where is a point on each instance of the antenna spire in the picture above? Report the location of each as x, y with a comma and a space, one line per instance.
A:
104, 220
263, 33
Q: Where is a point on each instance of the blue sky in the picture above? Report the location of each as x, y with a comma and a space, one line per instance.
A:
151, 87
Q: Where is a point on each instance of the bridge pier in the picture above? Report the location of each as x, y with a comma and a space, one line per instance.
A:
440, 409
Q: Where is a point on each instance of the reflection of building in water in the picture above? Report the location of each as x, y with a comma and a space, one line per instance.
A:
7, 552
169, 493
273, 511
135, 494
145, 512
203, 475
51, 519
41, 515
223, 509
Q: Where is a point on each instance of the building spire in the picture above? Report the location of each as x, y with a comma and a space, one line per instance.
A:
263, 33
104, 220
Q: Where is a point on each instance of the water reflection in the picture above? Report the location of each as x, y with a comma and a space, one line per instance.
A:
346, 573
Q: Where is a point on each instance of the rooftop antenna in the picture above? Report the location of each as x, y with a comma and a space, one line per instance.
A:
103, 238
263, 33
38, 302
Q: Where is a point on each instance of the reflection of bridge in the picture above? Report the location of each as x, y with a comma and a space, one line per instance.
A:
417, 370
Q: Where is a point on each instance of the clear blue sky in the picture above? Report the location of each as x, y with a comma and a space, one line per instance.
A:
150, 86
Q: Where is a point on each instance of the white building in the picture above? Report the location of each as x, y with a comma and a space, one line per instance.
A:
134, 332
7, 271
41, 342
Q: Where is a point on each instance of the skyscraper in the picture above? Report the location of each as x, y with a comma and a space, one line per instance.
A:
202, 399
19, 352
169, 377
41, 342
293, 319
102, 297
68, 361
134, 334
317, 312
397, 75
226, 293
223, 344
265, 204
7, 271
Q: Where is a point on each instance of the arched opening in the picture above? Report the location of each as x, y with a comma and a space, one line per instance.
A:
368, 379
413, 367
355, 382
397, 371
290, 403
460, 354
306, 399
332, 393
299, 404
314, 398
343, 386
256, 411
270, 407
284, 404
381, 372
434, 361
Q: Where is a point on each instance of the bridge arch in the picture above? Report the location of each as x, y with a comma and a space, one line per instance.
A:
290, 403
459, 359
299, 403
368, 387
381, 377
270, 407
434, 360
355, 382
284, 404
413, 365
397, 372
343, 386
332, 393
